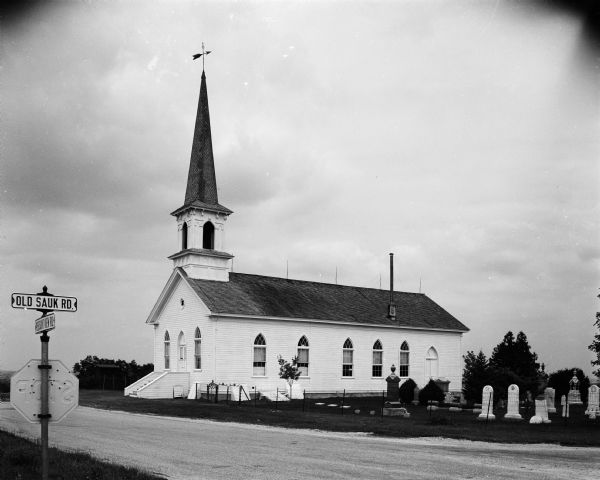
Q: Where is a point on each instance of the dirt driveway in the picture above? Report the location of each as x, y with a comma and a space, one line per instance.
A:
201, 449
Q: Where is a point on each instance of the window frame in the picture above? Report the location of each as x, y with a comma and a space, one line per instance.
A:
167, 350
377, 350
197, 349
348, 368
256, 347
404, 366
304, 346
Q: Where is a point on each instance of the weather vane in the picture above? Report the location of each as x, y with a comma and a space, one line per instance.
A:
203, 54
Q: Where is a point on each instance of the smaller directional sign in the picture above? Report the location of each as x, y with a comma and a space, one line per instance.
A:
45, 323
44, 302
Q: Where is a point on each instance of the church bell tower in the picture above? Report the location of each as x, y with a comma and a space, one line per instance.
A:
201, 219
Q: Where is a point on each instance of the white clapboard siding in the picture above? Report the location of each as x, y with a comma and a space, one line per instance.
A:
228, 347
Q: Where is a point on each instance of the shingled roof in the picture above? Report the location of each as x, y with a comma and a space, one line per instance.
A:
257, 295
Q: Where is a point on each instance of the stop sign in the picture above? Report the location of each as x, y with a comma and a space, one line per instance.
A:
26, 391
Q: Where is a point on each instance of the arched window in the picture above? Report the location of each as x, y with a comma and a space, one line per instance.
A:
167, 345
181, 347
431, 363
184, 235
197, 349
302, 361
208, 236
260, 356
347, 358
404, 362
377, 359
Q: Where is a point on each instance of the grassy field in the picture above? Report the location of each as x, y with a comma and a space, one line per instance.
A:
578, 430
21, 459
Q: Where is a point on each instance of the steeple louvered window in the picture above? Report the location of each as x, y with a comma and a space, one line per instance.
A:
184, 236
208, 236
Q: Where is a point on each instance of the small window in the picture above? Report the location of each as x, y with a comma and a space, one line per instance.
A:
167, 345
302, 360
377, 359
404, 360
184, 236
197, 349
431, 363
181, 346
347, 358
208, 236
259, 365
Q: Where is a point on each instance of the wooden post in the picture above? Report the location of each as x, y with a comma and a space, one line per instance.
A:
343, 399
277, 399
44, 415
303, 399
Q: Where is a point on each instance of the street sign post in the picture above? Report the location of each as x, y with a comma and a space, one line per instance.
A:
45, 323
26, 391
50, 303
31, 388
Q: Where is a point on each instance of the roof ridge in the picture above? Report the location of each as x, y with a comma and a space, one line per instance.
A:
323, 283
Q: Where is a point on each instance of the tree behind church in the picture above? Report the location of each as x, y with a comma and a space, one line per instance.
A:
512, 360
594, 347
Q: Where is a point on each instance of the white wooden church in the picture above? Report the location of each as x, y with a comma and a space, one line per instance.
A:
214, 325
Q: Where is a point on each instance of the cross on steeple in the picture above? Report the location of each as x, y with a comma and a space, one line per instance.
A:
203, 54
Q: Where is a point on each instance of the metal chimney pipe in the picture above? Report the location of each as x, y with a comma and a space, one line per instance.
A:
391, 306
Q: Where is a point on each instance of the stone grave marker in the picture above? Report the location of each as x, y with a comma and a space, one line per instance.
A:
416, 392
593, 408
512, 412
574, 397
541, 412
550, 393
393, 386
487, 404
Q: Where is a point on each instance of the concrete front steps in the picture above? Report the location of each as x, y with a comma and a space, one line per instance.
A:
160, 385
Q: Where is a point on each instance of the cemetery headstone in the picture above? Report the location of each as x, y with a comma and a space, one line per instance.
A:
487, 404
416, 392
512, 409
574, 397
541, 412
393, 386
593, 408
565, 406
550, 394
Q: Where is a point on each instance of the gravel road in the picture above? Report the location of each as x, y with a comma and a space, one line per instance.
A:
201, 449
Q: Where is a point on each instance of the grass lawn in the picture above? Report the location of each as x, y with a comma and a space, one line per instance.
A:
21, 459
578, 430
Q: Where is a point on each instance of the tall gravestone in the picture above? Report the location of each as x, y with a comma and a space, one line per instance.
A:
393, 386
574, 397
512, 409
549, 393
593, 408
487, 404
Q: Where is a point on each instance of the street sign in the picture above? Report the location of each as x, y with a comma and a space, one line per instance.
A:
26, 391
43, 302
45, 323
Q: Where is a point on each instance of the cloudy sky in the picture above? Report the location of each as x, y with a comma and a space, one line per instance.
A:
463, 136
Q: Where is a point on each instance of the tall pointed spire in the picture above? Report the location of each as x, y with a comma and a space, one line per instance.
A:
201, 190
202, 183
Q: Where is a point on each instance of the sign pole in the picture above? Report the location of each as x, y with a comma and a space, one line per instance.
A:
45, 415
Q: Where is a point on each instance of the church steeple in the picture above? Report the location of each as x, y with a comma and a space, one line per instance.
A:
201, 219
